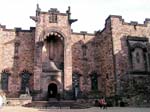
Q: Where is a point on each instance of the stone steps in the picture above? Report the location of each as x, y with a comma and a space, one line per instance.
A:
56, 104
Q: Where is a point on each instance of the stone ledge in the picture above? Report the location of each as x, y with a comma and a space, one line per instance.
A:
18, 101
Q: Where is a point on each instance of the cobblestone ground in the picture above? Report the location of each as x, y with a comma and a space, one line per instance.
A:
53, 109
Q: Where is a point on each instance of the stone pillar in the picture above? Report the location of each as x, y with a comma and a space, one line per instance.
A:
38, 65
67, 69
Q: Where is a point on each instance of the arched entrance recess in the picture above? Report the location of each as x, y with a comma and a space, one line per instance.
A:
52, 90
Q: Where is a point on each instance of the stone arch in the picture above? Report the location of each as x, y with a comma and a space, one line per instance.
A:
138, 45
25, 71
54, 81
57, 82
52, 90
6, 71
93, 72
59, 87
77, 72
53, 47
49, 31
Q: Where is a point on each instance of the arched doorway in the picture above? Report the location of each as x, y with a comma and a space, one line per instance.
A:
52, 90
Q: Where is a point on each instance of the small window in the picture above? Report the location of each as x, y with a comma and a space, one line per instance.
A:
25, 81
76, 84
94, 82
4, 80
53, 18
84, 48
17, 47
76, 80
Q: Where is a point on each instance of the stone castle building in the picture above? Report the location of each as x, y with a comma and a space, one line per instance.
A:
51, 59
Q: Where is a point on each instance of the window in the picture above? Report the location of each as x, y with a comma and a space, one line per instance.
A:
17, 44
4, 80
76, 84
94, 82
53, 18
76, 80
25, 81
84, 48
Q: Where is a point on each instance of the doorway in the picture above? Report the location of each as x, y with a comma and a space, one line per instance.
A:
52, 90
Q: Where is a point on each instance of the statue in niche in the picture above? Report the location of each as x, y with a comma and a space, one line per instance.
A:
137, 57
27, 91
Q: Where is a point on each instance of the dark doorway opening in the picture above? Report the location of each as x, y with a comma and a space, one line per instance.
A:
52, 90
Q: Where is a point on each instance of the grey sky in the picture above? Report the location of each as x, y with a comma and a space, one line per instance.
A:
91, 14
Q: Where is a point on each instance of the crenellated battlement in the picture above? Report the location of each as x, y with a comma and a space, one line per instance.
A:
17, 29
122, 21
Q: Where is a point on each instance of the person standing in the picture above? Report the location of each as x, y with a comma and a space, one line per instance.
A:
1, 102
4, 98
103, 103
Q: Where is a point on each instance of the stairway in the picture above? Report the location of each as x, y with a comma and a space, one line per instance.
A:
53, 103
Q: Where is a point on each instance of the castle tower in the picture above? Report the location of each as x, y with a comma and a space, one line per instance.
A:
52, 56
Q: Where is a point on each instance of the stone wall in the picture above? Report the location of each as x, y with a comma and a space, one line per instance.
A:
16, 51
25, 60
83, 57
7, 40
105, 53
105, 59
120, 33
26, 51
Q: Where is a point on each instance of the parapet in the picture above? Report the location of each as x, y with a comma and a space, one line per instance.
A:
134, 23
17, 29
83, 33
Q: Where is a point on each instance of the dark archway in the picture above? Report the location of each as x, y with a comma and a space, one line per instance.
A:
52, 90
53, 49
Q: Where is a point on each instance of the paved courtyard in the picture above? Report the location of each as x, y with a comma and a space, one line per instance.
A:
54, 109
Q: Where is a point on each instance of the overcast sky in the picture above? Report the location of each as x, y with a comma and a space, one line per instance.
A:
91, 14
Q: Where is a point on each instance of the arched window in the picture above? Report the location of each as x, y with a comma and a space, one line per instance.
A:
25, 77
4, 80
76, 80
94, 82
76, 84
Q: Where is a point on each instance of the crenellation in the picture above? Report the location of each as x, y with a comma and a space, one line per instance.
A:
134, 23
18, 29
